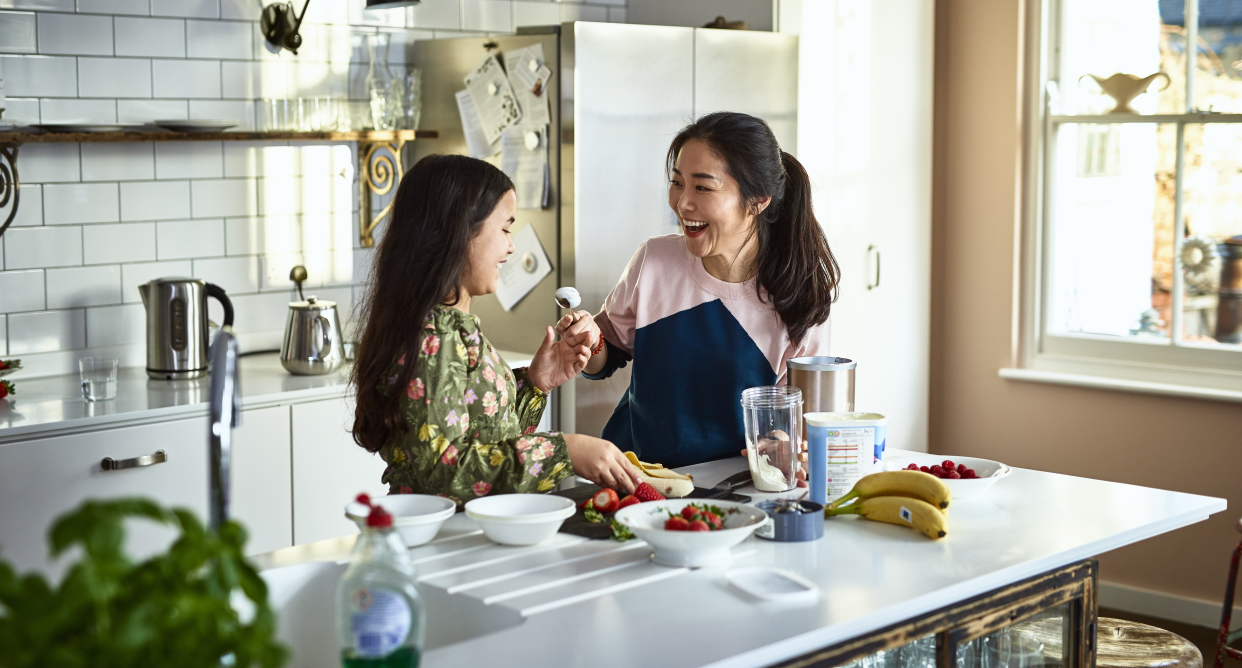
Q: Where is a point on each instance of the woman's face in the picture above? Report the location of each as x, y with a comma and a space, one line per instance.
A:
708, 203
490, 248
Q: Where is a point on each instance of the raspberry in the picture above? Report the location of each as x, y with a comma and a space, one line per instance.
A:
937, 470
645, 492
953, 475
970, 474
948, 464
912, 467
689, 512
962, 468
699, 525
676, 524
924, 469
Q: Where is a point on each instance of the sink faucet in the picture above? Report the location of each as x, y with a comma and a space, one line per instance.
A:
224, 414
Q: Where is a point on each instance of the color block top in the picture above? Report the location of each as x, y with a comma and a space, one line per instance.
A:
696, 343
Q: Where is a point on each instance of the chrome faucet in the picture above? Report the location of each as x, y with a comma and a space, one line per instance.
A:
224, 414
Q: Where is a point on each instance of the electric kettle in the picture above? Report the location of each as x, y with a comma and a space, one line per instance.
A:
177, 325
312, 343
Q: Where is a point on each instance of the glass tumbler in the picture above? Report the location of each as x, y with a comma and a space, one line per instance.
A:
773, 423
98, 378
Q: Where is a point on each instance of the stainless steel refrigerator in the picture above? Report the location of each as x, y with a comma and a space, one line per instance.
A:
619, 95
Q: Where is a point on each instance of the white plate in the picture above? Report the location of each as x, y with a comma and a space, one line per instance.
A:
690, 548
198, 125
989, 472
89, 127
773, 584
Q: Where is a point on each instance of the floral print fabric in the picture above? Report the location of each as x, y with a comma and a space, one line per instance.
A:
471, 420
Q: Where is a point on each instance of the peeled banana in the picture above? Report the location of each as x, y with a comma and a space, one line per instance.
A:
912, 484
901, 510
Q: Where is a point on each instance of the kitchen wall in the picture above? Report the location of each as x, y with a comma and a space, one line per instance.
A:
1170, 443
97, 220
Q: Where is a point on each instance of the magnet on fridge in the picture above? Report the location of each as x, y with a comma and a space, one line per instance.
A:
532, 140
492, 89
532, 65
529, 263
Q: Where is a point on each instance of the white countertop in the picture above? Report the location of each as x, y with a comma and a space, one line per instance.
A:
572, 601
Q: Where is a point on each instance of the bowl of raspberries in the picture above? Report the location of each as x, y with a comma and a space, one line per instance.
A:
965, 477
691, 532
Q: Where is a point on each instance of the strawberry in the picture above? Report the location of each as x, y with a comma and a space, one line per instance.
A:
584, 504
676, 523
628, 500
6, 388
689, 512
699, 525
645, 492
606, 500
712, 519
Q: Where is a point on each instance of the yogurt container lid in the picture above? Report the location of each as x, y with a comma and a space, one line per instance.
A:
843, 419
822, 363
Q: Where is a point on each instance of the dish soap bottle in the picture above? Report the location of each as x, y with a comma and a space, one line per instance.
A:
379, 613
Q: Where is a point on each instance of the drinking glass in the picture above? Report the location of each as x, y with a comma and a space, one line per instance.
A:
411, 98
278, 115
98, 378
773, 424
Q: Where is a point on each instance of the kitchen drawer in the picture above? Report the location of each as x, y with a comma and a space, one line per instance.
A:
262, 497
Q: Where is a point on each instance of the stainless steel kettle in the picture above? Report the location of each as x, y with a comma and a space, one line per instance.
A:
312, 343
177, 325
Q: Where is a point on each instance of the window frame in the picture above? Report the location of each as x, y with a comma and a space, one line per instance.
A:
1168, 366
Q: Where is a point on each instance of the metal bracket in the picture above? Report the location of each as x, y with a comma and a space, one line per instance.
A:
379, 169
9, 183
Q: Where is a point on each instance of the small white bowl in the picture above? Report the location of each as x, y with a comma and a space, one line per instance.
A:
417, 517
520, 519
989, 472
690, 548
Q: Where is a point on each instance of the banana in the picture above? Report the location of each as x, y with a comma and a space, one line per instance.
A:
913, 484
914, 513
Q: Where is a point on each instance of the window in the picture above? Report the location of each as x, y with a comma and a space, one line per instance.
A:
1136, 184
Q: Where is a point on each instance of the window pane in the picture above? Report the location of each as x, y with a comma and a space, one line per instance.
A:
1110, 262
919, 654
1106, 37
1213, 207
1034, 642
1218, 67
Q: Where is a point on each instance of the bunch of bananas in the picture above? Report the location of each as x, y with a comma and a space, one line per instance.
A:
908, 498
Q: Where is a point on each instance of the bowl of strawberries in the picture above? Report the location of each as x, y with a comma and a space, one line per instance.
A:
691, 532
965, 477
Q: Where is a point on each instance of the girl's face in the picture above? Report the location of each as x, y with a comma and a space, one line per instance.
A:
708, 203
490, 248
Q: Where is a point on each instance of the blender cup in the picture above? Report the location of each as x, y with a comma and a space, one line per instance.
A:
773, 421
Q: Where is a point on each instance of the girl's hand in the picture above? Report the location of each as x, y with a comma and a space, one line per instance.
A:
557, 361
601, 462
579, 323
800, 474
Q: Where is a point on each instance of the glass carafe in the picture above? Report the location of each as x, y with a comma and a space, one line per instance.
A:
383, 91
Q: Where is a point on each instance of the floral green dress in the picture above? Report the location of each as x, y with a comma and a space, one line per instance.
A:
471, 420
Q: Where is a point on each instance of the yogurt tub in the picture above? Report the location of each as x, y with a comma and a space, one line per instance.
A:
842, 448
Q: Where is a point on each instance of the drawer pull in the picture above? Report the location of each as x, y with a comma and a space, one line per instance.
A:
110, 464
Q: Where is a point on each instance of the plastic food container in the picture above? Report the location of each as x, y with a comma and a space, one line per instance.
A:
792, 527
841, 448
773, 423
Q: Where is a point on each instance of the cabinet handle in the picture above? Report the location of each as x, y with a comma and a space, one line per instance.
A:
110, 464
872, 251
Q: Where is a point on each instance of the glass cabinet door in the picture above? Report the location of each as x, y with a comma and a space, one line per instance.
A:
1035, 642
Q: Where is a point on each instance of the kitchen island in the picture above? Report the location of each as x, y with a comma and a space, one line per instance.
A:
1023, 548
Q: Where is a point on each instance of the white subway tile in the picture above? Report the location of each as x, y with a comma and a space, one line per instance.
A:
280, 195
243, 158
259, 235
114, 77
223, 198
234, 274
145, 111
186, 78
43, 163
254, 313
150, 37
583, 13
22, 291
77, 111
199, 9
185, 239
84, 286
134, 275
536, 13
243, 111
122, 161
125, 242
155, 200
189, 160
615, 3
240, 79
76, 203
616, 15
17, 32
322, 12
46, 331
49, 5
138, 7
219, 39
4, 339
116, 325
327, 268
487, 15
75, 34
246, 10
274, 272
362, 264
38, 247
23, 110
40, 76
444, 14
29, 206
359, 15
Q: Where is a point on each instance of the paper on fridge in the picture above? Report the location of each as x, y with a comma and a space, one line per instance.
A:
493, 98
476, 140
529, 68
535, 110
525, 268
524, 159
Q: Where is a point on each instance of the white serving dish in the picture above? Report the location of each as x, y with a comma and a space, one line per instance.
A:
989, 472
520, 519
417, 517
690, 548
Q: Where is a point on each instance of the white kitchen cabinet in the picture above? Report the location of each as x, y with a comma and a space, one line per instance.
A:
329, 469
262, 489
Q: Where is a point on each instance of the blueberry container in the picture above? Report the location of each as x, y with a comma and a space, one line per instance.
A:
792, 527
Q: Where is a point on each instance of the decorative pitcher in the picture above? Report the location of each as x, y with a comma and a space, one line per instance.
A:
1125, 87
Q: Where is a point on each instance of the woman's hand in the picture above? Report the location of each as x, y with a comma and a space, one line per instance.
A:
802, 464
579, 323
601, 462
557, 361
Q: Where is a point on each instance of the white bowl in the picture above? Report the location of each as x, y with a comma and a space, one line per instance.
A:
690, 548
520, 519
989, 472
417, 517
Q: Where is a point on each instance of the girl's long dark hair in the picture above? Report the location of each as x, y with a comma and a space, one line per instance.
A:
795, 265
439, 207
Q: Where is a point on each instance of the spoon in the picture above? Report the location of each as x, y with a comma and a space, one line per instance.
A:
567, 298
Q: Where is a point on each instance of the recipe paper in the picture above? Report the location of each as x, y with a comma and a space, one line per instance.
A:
524, 269
493, 98
526, 167
476, 140
534, 105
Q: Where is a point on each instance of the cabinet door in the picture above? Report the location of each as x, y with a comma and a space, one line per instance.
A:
42, 479
329, 469
262, 479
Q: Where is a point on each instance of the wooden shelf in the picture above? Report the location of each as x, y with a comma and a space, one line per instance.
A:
1110, 119
74, 137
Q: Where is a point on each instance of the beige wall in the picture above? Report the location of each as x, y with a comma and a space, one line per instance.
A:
1190, 446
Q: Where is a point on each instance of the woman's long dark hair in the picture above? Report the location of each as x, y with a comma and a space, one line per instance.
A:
439, 207
795, 265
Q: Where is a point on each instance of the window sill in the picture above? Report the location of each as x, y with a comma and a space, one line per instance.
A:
1121, 385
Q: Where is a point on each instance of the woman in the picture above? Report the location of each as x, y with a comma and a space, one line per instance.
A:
434, 399
721, 307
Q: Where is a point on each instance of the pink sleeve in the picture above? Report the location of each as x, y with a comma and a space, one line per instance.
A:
618, 317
